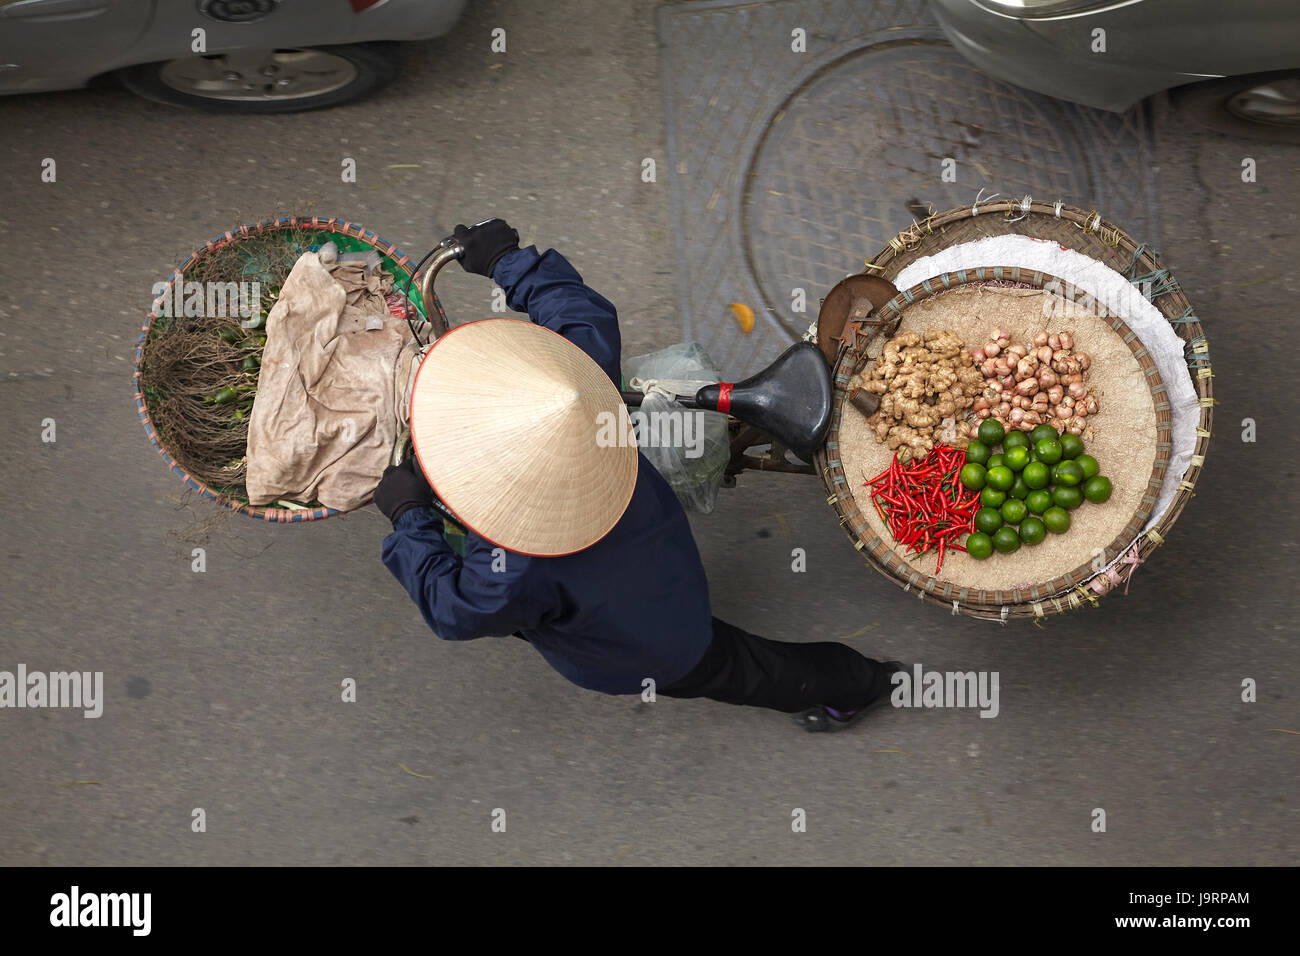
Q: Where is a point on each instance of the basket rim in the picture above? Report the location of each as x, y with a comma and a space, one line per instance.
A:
884, 554
1144, 266
332, 225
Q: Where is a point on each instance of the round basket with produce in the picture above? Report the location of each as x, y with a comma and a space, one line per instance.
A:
198, 363
1031, 434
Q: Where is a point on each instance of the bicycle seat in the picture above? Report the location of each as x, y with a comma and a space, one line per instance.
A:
790, 400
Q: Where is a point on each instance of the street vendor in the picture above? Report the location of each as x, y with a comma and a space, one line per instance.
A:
613, 606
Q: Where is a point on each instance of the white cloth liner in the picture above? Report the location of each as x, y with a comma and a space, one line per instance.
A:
1118, 294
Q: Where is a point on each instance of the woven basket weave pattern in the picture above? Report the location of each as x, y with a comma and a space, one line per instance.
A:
1085, 232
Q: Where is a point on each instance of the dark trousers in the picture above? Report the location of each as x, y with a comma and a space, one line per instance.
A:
741, 668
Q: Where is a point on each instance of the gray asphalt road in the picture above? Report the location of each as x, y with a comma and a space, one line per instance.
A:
223, 688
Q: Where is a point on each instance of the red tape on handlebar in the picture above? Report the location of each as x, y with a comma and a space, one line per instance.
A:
724, 397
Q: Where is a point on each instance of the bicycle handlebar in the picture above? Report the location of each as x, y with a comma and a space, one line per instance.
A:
448, 250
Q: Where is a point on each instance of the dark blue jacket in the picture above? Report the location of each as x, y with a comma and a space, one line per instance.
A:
633, 605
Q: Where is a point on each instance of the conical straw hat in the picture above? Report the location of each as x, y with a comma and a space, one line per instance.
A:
523, 436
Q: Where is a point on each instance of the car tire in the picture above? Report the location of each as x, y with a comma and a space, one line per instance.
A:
372, 66
1218, 104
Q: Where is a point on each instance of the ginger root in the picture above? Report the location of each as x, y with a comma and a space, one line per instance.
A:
922, 379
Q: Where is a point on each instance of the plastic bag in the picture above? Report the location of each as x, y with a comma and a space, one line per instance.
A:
689, 447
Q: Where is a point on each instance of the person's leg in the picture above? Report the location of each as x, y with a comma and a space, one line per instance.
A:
742, 668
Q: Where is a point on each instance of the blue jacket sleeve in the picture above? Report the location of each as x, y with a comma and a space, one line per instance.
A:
479, 596
550, 290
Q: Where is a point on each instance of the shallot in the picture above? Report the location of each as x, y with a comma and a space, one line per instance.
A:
1040, 381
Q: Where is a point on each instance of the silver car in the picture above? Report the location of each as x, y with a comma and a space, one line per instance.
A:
1233, 66
252, 56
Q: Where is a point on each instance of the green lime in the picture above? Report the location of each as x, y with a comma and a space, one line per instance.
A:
996, 461
1014, 511
1036, 474
1071, 445
1006, 540
1057, 520
1001, 477
979, 545
972, 476
1033, 454
1016, 440
978, 452
992, 498
1066, 497
1019, 489
1069, 473
1089, 466
988, 520
1049, 450
991, 431
1032, 530
1039, 501
1016, 458
1041, 432
1097, 488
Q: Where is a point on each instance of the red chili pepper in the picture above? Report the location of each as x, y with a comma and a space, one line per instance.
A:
924, 503
880, 477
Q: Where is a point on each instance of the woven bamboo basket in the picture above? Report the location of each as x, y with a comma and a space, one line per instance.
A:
1085, 232
349, 237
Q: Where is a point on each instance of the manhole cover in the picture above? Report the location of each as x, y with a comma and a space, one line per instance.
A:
788, 170
874, 140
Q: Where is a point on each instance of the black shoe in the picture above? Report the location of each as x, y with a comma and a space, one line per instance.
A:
823, 719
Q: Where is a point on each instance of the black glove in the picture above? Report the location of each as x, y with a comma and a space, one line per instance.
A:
485, 244
402, 488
